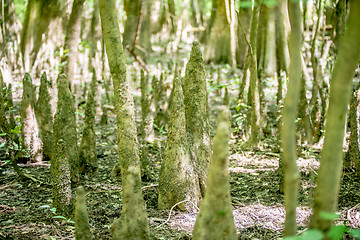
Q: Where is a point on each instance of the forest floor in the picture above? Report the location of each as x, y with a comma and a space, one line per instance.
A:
258, 206
26, 213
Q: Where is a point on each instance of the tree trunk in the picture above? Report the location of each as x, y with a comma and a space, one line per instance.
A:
126, 130
329, 176
71, 41
291, 174
131, 8
29, 126
254, 81
221, 47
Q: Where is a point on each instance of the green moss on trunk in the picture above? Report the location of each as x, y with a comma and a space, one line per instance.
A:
196, 113
215, 219
178, 180
87, 153
44, 116
65, 135
133, 223
29, 126
82, 226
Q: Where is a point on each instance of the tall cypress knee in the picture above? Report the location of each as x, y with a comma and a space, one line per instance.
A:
196, 113
87, 153
215, 219
65, 128
44, 115
178, 180
82, 226
133, 223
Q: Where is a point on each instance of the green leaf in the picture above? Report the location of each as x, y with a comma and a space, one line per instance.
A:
336, 232
70, 221
2, 144
53, 210
291, 238
59, 217
2, 134
312, 234
45, 206
329, 216
245, 4
355, 233
221, 213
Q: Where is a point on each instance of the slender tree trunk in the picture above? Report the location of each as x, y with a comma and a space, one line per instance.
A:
291, 175
133, 204
71, 41
329, 176
254, 81
243, 34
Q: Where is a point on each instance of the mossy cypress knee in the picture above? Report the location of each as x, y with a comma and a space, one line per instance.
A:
82, 226
133, 223
44, 116
29, 126
65, 129
196, 112
178, 180
147, 108
87, 152
215, 219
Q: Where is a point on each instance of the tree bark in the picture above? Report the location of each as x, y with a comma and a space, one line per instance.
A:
291, 174
126, 129
328, 184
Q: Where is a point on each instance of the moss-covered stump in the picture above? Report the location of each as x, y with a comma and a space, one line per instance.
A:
29, 126
133, 223
64, 132
44, 116
87, 152
82, 226
215, 219
178, 180
147, 109
196, 112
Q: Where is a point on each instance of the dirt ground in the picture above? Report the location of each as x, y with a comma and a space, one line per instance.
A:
25, 205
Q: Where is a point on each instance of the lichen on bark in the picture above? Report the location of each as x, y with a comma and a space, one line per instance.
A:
177, 181
196, 113
44, 115
29, 126
82, 226
215, 219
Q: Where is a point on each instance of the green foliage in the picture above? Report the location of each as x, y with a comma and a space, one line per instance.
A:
20, 8
53, 211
